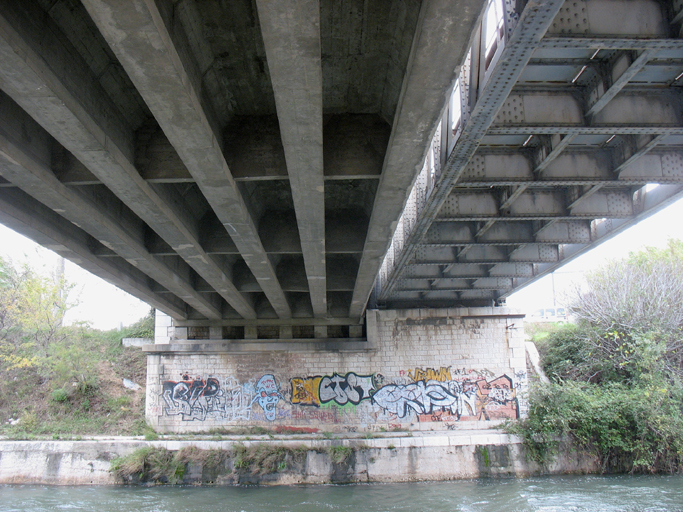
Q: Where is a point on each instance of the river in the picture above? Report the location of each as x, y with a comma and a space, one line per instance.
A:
546, 494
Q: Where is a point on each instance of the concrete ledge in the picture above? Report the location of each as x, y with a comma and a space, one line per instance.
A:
393, 457
256, 347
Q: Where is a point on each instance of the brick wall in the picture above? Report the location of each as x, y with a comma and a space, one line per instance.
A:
421, 369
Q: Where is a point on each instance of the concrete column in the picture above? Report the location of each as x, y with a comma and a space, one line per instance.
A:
320, 331
250, 332
163, 327
286, 332
216, 333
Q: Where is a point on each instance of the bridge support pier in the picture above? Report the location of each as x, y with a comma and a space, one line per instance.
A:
416, 369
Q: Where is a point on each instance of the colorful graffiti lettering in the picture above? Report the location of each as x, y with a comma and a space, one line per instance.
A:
467, 397
267, 396
193, 399
420, 397
440, 375
429, 400
343, 389
305, 390
340, 389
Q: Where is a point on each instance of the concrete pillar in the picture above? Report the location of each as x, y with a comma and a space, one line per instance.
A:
216, 333
320, 331
163, 327
250, 332
286, 332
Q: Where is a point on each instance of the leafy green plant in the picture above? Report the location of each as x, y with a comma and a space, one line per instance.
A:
339, 454
59, 395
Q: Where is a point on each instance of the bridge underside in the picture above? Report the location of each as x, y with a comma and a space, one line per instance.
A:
563, 130
247, 163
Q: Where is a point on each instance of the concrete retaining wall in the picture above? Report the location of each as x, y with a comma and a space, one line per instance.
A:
418, 370
393, 458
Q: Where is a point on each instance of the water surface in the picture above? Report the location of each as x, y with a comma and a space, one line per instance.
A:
547, 494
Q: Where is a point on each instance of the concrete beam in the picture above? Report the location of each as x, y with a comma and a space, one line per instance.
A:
432, 69
291, 35
27, 167
148, 46
26, 216
76, 111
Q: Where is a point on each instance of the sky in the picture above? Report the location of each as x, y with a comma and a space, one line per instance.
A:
99, 303
106, 307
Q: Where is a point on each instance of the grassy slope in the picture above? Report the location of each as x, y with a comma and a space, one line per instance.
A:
99, 405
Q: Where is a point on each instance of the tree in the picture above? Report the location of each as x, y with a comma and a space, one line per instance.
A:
32, 309
629, 318
617, 372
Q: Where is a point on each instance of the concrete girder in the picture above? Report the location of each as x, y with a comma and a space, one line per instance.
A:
291, 34
533, 22
24, 215
78, 113
432, 70
139, 35
26, 164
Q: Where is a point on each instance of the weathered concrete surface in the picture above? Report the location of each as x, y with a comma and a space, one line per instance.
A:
391, 458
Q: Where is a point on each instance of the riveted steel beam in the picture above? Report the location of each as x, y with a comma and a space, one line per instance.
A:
621, 70
533, 22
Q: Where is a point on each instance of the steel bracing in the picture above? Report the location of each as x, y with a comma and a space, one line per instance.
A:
565, 128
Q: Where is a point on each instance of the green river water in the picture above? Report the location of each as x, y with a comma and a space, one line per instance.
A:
547, 494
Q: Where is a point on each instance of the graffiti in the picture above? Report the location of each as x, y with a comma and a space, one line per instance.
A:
440, 375
420, 397
237, 402
347, 388
432, 400
498, 399
452, 395
305, 391
267, 396
340, 389
193, 399
322, 415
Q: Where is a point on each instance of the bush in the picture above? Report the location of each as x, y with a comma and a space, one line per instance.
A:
637, 428
616, 375
59, 395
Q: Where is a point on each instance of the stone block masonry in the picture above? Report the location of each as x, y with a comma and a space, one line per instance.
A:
427, 369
